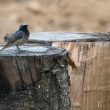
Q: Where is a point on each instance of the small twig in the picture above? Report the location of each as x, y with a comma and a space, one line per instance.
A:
88, 58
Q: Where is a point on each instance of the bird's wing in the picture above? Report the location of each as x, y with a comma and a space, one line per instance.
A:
19, 35
8, 37
12, 38
16, 36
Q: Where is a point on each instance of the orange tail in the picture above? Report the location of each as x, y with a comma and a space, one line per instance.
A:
71, 62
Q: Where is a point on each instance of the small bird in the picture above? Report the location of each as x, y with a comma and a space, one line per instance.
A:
18, 38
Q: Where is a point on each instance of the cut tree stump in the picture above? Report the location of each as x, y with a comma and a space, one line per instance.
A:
69, 41
36, 78
89, 61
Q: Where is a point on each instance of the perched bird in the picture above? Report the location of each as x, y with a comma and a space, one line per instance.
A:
18, 38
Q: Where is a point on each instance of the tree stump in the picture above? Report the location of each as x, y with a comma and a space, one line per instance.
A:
89, 66
36, 78
69, 41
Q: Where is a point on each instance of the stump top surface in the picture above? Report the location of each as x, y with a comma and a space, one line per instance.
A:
31, 51
68, 36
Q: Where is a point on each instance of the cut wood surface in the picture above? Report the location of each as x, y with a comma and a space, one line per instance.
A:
34, 78
67, 37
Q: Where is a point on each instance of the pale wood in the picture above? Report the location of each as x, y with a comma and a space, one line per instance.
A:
96, 82
90, 81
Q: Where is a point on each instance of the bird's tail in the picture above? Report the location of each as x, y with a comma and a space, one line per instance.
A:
5, 46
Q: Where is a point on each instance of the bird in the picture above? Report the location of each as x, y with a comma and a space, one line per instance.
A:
17, 38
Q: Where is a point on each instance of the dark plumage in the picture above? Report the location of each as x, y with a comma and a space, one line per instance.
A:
18, 38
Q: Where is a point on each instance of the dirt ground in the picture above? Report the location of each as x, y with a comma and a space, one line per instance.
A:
55, 15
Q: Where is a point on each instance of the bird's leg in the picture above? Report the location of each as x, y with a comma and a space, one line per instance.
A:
18, 47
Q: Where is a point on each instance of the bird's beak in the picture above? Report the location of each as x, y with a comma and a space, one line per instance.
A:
29, 27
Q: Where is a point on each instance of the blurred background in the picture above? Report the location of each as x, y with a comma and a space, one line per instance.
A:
55, 15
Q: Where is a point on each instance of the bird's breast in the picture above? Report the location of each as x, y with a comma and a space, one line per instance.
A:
21, 41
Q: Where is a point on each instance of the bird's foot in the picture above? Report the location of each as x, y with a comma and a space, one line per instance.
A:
18, 48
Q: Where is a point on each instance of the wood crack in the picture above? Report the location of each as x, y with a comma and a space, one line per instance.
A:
19, 72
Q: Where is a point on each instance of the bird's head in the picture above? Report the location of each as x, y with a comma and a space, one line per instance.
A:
23, 27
